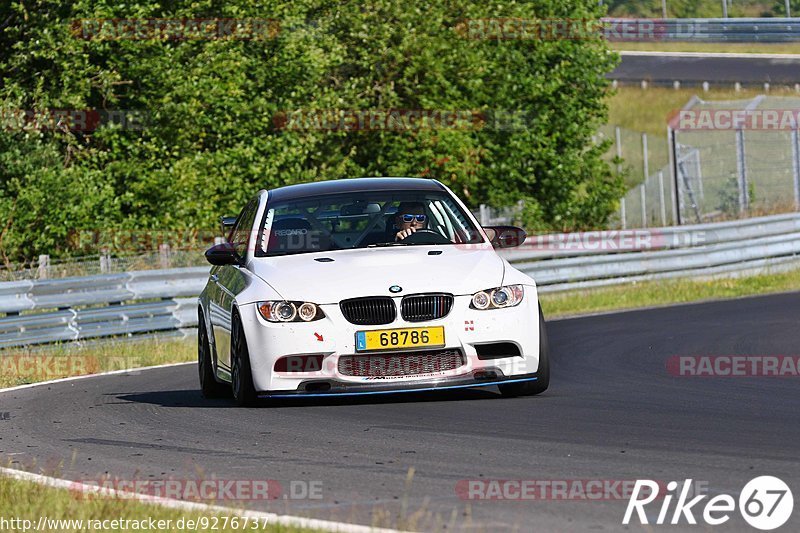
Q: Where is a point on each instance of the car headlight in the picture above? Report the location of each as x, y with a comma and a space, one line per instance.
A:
499, 298
286, 311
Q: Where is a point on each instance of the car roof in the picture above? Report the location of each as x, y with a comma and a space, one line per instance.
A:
306, 190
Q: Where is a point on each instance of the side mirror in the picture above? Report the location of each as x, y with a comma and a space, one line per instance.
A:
226, 224
222, 254
505, 236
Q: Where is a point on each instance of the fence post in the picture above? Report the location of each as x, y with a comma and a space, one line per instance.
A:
163, 255
796, 165
44, 267
643, 193
645, 163
646, 170
618, 143
699, 173
741, 172
105, 262
483, 211
662, 205
674, 183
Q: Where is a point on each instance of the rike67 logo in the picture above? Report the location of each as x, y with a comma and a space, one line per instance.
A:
765, 503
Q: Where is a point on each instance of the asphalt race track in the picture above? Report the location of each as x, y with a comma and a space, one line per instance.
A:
613, 412
666, 68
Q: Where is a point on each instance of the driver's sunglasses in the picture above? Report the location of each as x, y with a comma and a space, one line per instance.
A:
410, 218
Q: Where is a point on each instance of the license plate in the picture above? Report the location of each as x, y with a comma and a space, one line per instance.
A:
394, 339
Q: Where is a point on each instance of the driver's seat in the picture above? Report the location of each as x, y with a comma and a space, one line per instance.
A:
380, 236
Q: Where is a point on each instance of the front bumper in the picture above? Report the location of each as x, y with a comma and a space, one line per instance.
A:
334, 336
349, 389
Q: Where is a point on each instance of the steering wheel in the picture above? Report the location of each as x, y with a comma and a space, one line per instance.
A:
426, 236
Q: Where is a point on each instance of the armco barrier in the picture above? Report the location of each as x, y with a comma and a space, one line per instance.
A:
70, 309
725, 30
560, 245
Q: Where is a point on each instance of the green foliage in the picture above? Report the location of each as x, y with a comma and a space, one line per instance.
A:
729, 196
779, 8
209, 142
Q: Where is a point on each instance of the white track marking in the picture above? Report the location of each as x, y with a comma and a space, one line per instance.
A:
262, 517
85, 376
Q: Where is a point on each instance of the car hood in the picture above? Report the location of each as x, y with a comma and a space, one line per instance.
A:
371, 271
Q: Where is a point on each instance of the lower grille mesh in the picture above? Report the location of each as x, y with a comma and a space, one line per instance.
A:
402, 364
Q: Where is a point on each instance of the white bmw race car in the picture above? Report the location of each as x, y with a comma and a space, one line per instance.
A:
366, 286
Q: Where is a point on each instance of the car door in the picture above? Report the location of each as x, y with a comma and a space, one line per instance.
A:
230, 280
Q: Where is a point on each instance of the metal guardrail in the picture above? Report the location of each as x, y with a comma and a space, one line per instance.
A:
731, 30
561, 245
750, 246
16, 296
44, 311
563, 274
89, 307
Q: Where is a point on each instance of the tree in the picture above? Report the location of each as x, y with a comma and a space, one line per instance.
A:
210, 138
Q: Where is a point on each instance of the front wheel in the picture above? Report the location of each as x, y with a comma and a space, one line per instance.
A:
244, 391
530, 388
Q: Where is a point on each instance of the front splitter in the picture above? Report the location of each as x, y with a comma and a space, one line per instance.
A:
339, 389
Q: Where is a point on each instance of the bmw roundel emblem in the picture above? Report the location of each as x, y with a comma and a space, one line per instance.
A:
395, 288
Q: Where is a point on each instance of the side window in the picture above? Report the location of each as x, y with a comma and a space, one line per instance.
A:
241, 234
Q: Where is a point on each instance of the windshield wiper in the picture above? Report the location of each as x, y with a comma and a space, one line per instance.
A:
281, 253
383, 244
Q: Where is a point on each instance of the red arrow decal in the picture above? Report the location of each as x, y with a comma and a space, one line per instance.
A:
318, 336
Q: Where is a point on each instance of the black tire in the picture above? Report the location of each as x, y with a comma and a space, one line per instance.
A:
244, 392
530, 388
209, 385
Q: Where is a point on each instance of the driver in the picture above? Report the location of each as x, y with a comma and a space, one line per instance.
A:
410, 218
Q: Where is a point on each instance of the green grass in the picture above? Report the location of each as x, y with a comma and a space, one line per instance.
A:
655, 293
29, 501
636, 111
733, 48
19, 366
648, 110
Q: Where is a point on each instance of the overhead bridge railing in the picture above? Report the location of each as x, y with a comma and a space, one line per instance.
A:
53, 310
720, 30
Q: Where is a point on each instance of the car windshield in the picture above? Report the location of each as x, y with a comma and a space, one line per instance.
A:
362, 220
